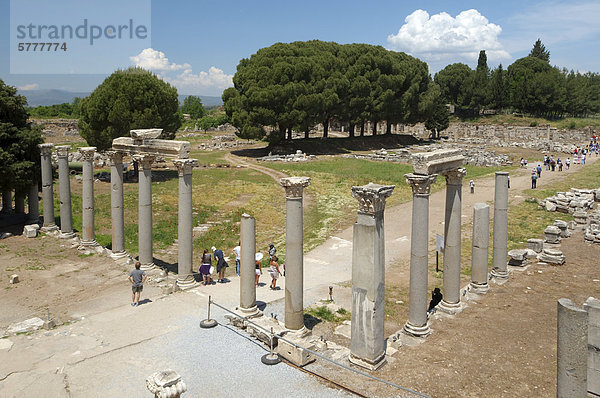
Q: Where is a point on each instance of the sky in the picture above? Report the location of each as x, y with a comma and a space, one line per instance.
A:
196, 45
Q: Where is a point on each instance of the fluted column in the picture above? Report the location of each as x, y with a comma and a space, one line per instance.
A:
500, 239
185, 278
419, 240
117, 205
452, 241
247, 267
88, 237
145, 210
367, 343
47, 187
294, 276
33, 203
64, 188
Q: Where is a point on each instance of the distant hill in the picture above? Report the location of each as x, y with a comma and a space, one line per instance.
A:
54, 97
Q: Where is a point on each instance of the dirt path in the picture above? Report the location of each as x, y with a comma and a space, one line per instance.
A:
236, 160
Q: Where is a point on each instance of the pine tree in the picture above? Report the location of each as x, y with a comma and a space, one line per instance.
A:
539, 51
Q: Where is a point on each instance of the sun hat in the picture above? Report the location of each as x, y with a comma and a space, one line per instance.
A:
259, 256
213, 248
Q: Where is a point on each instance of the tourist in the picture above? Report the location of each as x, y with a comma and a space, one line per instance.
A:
205, 268
508, 181
552, 164
472, 186
539, 171
583, 158
221, 264
559, 163
274, 272
436, 297
534, 177
272, 250
522, 162
568, 163
258, 271
137, 277
237, 252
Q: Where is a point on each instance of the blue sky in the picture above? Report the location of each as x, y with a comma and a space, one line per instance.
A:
196, 45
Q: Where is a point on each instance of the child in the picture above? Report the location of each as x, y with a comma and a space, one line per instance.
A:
258, 258
274, 271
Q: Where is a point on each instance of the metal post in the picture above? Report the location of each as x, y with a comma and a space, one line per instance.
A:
271, 358
208, 323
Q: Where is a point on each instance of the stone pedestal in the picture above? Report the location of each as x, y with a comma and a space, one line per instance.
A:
452, 241
185, 278
117, 205
166, 384
367, 343
64, 188
294, 283
145, 211
500, 249
33, 204
480, 250
572, 350
247, 266
417, 311
88, 237
47, 187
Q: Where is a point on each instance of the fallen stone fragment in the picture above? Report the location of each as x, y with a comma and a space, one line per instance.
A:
28, 325
14, 278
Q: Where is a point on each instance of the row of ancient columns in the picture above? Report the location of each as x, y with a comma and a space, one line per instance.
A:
184, 167
33, 203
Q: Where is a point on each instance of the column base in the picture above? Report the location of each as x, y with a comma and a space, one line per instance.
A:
49, 228
416, 331
66, 235
118, 255
88, 243
251, 312
367, 364
247, 313
147, 267
297, 356
498, 276
186, 282
297, 334
479, 288
449, 308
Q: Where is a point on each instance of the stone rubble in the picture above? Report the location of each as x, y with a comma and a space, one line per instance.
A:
296, 157
552, 256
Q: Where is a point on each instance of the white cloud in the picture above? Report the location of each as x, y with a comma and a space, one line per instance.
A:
155, 60
441, 36
32, 86
186, 81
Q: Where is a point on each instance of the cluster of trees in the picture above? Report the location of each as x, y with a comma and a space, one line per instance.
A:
530, 85
129, 99
19, 152
298, 85
65, 110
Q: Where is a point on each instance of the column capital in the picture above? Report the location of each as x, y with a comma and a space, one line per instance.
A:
420, 184
87, 153
46, 149
145, 160
454, 176
185, 166
62, 151
294, 186
371, 197
115, 157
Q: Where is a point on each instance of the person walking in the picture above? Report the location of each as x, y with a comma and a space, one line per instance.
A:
539, 171
258, 271
221, 264
137, 277
534, 178
205, 267
272, 251
237, 252
472, 186
274, 272
568, 163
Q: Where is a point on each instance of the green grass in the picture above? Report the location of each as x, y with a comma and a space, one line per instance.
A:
325, 314
566, 123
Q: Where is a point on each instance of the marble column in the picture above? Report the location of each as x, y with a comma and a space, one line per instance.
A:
47, 187
500, 239
480, 249
117, 205
247, 265
33, 202
88, 237
7, 207
19, 201
294, 274
571, 350
145, 210
419, 241
367, 343
185, 278
452, 241
64, 188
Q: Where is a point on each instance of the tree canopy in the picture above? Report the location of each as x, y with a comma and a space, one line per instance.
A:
19, 152
539, 51
129, 99
192, 105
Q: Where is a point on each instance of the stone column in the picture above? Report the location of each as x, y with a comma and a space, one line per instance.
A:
247, 267
419, 240
185, 278
480, 251
7, 201
47, 189
88, 237
294, 283
592, 306
452, 240
145, 211
33, 202
572, 350
117, 205
500, 249
64, 187
19, 201
367, 343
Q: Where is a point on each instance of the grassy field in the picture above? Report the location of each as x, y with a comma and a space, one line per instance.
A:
566, 123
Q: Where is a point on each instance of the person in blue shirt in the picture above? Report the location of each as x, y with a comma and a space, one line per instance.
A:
221, 264
539, 171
